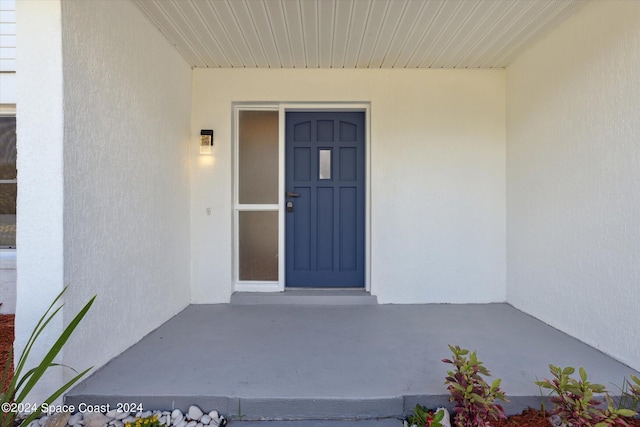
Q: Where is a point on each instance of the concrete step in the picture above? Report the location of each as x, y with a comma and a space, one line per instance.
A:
306, 297
332, 362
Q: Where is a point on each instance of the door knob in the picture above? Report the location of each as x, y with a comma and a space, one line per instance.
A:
290, 194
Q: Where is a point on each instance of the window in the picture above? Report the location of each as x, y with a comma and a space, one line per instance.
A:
257, 195
8, 182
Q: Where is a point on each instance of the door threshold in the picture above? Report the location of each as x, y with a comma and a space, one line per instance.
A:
306, 296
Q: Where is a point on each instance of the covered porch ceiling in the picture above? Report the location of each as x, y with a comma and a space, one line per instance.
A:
354, 33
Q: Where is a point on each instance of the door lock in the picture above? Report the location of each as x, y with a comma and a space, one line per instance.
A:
289, 206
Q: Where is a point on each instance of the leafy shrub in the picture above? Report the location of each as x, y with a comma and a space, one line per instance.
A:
634, 389
574, 400
475, 400
151, 421
424, 417
21, 384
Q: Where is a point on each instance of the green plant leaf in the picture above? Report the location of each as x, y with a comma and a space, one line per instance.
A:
40, 326
626, 413
53, 352
55, 395
583, 374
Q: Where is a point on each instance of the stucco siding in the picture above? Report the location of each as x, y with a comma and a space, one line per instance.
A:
573, 173
127, 99
437, 176
39, 235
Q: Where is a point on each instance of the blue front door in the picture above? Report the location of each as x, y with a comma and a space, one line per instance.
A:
325, 186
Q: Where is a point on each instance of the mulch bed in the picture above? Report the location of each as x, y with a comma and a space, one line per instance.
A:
536, 418
6, 342
528, 418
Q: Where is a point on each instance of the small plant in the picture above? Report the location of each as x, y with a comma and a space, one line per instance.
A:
634, 389
475, 400
424, 417
629, 394
574, 400
21, 384
151, 421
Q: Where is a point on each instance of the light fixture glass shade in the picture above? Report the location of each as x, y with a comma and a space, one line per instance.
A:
206, 141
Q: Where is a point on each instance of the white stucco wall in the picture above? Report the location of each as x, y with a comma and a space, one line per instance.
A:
39, 239
437, 176
127, 102
573, 173
104, 198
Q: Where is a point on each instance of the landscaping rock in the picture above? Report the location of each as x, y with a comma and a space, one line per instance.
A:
120, 415
194, 417
58, 420
95, 419
195, 413
75, 419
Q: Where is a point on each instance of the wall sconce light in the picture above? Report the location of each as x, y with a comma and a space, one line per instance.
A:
206, 141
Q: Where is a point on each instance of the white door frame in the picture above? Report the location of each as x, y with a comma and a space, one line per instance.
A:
283, 108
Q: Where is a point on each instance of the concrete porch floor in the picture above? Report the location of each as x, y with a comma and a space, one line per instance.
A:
334, 362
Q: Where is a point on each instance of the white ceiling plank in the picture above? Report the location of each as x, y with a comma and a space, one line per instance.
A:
244, 28
218, 31
276, 17
353, 33
183, 26
393, 20
444, 26
496, 31
207, 47
424, 20
159, 18
308, 16
488, 23
541, 26
233, 31
232, 37
456, 29
293, 18
432, 31
377, 14
341, 32
468, 36
258, 11
404, 31
326, 23
358, 23
511, 34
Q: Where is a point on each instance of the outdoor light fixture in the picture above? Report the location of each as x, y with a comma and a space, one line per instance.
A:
206, 141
